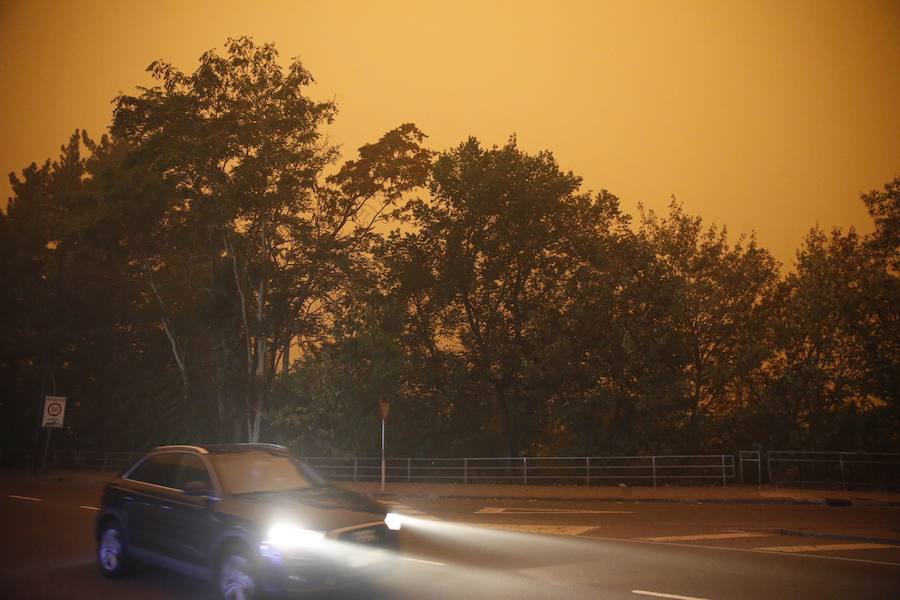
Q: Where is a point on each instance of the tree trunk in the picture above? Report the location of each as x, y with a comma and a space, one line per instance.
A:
221, 382
257, 421
177, 352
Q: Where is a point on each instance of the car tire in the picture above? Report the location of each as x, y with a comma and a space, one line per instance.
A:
236, 577
112, 552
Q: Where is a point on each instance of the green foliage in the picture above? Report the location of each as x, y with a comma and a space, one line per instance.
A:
835, 379
719, 321
164, 277
265, 244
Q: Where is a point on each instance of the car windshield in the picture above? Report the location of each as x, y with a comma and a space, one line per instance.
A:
258, 471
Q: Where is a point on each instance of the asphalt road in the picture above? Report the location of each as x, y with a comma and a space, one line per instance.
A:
515, 550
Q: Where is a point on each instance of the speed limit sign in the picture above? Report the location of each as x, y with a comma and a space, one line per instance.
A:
54, 411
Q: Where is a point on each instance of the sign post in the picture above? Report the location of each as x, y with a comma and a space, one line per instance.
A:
52, 418
385, 408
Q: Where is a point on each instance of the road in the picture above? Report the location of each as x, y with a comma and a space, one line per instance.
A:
514, 549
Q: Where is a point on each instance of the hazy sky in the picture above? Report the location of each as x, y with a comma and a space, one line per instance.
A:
763, 116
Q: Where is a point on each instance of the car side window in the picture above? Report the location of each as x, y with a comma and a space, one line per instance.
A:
191, 468
160, 469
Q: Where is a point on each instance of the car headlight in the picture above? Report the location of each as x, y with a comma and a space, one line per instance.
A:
393, 521
287, 536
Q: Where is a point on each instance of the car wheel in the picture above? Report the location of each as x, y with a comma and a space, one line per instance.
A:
236, 577
112, 554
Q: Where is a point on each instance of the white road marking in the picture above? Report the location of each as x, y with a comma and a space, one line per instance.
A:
492, 510
754, 550
541, 529
424, 562
827, 547
662, 595
406, 510
26, 498
89, 507
709, 536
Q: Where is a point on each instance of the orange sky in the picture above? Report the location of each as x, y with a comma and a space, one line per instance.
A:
764, 116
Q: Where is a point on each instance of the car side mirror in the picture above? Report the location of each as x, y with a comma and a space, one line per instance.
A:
196, 488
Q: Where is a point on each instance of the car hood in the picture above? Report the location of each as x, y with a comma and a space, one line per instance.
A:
323, 508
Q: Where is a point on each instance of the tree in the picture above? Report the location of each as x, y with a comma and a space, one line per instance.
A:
495, 248
242, 147
719, 316
41, 307
836, 375
884, 208
73, 320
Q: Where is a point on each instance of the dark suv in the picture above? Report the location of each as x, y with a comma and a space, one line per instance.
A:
248, 517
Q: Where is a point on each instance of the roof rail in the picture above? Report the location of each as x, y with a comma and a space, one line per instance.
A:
204, 450
199, 449
259, 444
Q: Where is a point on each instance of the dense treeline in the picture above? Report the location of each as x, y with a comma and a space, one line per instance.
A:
209, 271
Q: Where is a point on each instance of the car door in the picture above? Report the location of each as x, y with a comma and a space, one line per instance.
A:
188, 521
153, 483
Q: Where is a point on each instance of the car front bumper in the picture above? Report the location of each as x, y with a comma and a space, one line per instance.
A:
338, 563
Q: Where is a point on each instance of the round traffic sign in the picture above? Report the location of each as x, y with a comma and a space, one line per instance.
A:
54, 409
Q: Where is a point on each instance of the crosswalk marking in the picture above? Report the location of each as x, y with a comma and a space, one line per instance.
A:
708, 536
570, 530
492, 510
827, 547
26, 498
405, 510
664, 595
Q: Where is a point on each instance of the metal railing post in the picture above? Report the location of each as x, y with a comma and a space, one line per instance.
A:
843, 477
769, 465
653, 465
465, 470
724, 479
741, 465
408, 469
355, 466
525, 470
758, 469
587, 470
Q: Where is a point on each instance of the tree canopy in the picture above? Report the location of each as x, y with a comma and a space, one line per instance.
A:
211, 270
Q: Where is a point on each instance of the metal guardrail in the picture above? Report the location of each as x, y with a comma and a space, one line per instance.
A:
831, 469
750, 466
73, 459
586, 470
782, 468
93, 460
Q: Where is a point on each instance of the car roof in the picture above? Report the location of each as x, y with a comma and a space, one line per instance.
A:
224, 448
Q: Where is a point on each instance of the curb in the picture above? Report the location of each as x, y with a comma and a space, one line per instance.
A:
784, 500
804, 501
